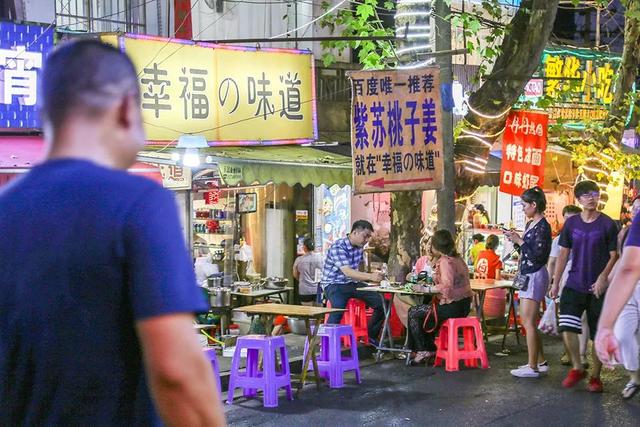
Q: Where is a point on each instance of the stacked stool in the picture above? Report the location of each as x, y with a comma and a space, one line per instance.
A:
268, 379
449, 350
331, 363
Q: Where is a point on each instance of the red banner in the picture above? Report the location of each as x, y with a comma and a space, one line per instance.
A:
182, 19
523, 151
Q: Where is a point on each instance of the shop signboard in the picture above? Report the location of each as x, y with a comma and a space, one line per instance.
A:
231, 95
396, 131
175, 177
23, 49
230, 173
578, 84
524, 146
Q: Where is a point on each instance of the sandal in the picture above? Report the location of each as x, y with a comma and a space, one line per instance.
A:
630, 390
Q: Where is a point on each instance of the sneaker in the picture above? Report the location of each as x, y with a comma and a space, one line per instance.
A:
525, 372
543, 367
595, 385
573, 377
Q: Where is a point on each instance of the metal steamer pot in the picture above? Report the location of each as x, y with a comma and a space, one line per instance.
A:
219, 297
214, 281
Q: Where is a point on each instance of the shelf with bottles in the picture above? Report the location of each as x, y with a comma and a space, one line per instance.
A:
213, 229
213, 214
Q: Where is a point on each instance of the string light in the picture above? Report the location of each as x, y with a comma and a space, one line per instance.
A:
414, 27
606, 156
417, 65
474, 170
481, 160
412, 14
474, 164
487, 116
419, 47
476, 138
417, 35
479, 135
594, 170
403, 2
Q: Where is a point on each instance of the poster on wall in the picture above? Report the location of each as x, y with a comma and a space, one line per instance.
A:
524, 146
396, 131
335, 214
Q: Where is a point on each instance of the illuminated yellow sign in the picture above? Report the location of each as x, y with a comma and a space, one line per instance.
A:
581, 84
230, 95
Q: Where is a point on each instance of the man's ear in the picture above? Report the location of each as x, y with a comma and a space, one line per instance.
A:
126, 111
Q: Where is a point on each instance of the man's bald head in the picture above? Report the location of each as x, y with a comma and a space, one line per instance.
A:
85, 77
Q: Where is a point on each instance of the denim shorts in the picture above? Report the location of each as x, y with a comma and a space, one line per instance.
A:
538, 285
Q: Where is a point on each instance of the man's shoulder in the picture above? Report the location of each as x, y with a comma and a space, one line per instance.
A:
607, 220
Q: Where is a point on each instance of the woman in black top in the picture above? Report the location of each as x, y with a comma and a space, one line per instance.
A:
534, 247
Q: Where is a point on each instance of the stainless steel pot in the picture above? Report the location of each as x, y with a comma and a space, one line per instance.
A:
219, 297
214, 282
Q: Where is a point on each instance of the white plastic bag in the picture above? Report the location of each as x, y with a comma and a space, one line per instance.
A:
548, 323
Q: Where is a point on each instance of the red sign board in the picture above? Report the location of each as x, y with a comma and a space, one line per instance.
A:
523, 150
212, 197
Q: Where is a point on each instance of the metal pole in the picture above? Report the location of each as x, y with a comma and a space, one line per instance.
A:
597, 27
446, 196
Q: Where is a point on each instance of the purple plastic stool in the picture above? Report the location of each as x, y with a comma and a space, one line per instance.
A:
210, 354
331, 363
269, 380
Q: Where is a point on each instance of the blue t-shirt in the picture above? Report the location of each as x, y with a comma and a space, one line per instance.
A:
590, 244
86, 252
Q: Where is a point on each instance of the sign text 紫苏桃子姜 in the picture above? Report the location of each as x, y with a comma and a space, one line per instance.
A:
396, 130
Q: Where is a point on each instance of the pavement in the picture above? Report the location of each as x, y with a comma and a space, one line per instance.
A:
392, 394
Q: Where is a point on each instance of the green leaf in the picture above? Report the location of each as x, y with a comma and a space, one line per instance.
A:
365, 11
328, 59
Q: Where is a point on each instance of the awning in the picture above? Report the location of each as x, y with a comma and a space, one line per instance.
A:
291, 164
18, 154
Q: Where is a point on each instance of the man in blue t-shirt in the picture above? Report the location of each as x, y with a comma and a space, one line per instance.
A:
99, 330
591, 240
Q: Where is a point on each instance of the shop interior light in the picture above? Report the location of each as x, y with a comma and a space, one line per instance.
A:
175, 156
191, 158
208, 159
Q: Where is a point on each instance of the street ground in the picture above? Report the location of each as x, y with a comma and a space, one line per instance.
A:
392, 394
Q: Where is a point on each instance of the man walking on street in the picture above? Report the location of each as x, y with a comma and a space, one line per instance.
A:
99, 330
591, 239
341, 278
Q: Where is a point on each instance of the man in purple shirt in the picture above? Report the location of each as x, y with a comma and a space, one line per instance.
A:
591, 239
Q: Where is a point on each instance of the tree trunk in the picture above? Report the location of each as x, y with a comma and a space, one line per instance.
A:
446, 196
626, 73
406, 206
406, 231
522, 47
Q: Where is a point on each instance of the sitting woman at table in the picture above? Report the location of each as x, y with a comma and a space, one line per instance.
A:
451, 279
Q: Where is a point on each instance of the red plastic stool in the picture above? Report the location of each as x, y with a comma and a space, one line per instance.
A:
355, 315
449, 350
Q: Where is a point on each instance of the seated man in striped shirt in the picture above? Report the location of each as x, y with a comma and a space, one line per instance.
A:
341, 277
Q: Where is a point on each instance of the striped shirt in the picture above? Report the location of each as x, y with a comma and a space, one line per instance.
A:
342, 253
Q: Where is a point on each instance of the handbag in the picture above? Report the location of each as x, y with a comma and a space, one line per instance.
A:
521, 282
430, 311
